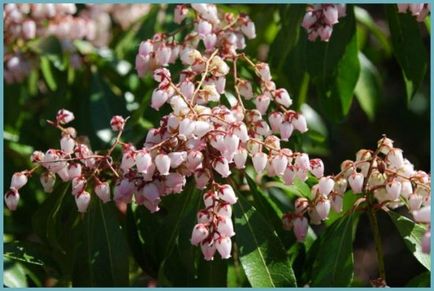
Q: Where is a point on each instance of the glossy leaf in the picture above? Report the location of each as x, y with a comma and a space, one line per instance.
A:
261, 254
408, 48
102, 259
368, 88
48, 73
412, 234
334, 67
334, 263
422, 280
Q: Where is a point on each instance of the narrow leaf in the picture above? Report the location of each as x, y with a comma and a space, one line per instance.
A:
408, 48
262, 256
334, 264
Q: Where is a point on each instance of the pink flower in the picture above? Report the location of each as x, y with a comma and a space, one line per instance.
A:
300, 228
82, 200
162, 162
200, 232
423, 215
64, 116
356, 182
221, 166
227, 194
208, 250
323, 208
18, 180
259, 161
102, 190
224, 246
326, 185
143, 161
225, 226
279, 164
117, 123
48, 180
11, 198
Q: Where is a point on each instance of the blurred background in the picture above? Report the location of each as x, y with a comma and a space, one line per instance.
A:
82, 58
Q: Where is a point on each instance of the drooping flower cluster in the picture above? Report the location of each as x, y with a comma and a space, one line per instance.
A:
26, 22
320, 18
203, 136
419, 10
383, 173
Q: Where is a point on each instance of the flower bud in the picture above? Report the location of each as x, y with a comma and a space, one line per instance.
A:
208, 250
162, 162
11, 198
414, 202
201, 178
317, 167
67, 144
240, 158
227, 194
422, 215
299, 123
326, 185
64, 116
300, 228
249, 29
337, 203
78, 185
279, 164
180, 13
225, 226
29, 29
275, 119
74, 170
225, 210
48, 179
159, 97
356, 182
331, 15
286, 129
224, 247
82, 200
177, 158
264, 71
143, 161
259, 161
240, 130
393, 189
18, 180
102, 190
282, 97
200, 232
186, 127
117, 123
221, 166
395, 158
323, 208
128, 160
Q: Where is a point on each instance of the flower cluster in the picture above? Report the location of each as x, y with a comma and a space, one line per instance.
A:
203, 136
25, 22
419, 10
385, 174
320, 18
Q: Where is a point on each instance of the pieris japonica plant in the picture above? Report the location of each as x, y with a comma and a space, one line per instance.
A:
200, 139
222, 184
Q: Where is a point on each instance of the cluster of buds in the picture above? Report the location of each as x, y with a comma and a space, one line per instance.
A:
384, 173
320, 18
419, 10
25, 22
215, 228
201, 135
227, 34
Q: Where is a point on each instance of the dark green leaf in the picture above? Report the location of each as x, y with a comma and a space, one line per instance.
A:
334, 263
412, 234
334, 67
408, 48
261, 253
29, 252
212, 273
288, 35
303, 188
368, 88
422, 280
102, 259
48, 73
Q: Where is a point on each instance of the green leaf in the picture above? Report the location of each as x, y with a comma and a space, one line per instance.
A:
14, 275
262, 256
212, 273
422, 280
174, 239
412, 234
47, 73
334, 263
408, 47
334, 67
362, 16
302, 188
102, 259
368, 88
288, 35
